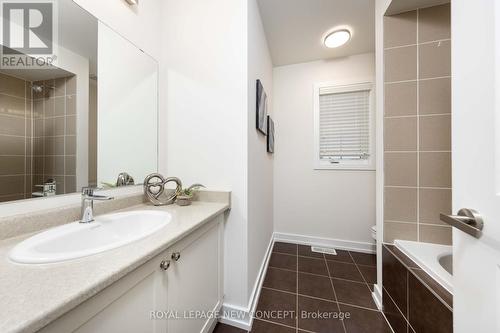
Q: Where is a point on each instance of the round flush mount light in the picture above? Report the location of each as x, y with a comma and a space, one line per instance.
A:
337, 38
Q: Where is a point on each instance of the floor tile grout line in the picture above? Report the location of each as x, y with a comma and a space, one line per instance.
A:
275, 323
359, 271
319, 275
334, 292
397, 306
359, 306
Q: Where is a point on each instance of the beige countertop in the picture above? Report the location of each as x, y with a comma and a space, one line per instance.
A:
34, 295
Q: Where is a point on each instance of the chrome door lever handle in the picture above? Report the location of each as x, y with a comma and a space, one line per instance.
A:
466, 220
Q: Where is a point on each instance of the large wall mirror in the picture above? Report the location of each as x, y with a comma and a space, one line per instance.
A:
82, 120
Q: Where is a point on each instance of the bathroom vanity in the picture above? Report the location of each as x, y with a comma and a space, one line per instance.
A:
169, 281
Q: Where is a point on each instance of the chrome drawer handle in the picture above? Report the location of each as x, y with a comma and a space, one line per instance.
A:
165, 264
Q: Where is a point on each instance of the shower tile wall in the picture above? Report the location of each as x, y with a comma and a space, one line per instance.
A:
15, 130
417, 125
54, 135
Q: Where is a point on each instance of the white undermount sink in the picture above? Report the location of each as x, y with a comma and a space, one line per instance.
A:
76, 240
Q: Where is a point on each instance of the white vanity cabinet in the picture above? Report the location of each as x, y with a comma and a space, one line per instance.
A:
175, 292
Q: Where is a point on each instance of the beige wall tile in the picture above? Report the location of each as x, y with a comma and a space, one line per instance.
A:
71, 85
49, 107
10, 85
38, 146
435, 234
434, 60
434, 23
28, 146
400, 134
38, 162
12, 145
70, 168
435, 169
432, 203
59, 145
60, 87
11, 165
59, 106
401, 64
400, 204
403, 231
11, 197
12, 125
400, 99
38, 108
49, 90
70, 125
12, 106
39, 129
60, 184
70, 182
49, 126
12, 185
70, 148
400, 29
49, 145
59, 165
400, 169
49, 165
28, 183
71, 105
59, 123
435, 133
435, 96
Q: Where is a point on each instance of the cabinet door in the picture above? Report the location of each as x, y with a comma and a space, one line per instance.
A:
193, 290
132, 311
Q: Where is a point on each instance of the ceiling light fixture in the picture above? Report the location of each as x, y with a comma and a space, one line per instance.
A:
132, 2
337, 38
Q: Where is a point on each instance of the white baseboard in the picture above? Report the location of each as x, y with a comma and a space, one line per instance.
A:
327, 242
377, 296
241, 317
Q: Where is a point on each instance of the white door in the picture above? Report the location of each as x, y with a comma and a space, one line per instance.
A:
476, 162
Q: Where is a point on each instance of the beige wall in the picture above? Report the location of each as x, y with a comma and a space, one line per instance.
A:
327, 204
417, 125
15, 143
54, 134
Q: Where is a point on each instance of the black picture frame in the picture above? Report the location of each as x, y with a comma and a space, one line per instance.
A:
261, 108
270, 135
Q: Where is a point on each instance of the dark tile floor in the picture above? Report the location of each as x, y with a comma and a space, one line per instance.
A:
304, 291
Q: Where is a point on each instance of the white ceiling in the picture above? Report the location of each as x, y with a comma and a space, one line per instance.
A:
295, 28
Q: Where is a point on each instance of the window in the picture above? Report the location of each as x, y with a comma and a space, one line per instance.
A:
344, 131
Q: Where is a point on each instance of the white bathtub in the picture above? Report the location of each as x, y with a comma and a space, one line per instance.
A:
434, 259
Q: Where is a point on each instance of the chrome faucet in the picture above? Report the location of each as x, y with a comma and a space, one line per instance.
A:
88, 198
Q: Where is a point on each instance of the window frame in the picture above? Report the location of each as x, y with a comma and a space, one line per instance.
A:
368, 164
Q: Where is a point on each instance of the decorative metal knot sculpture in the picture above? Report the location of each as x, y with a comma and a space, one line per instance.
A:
154, 187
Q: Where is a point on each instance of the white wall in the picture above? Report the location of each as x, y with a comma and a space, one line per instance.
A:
260, 163
332, 204
140, 24
204, 89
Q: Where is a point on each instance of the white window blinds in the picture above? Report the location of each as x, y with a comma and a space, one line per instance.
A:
344, 125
